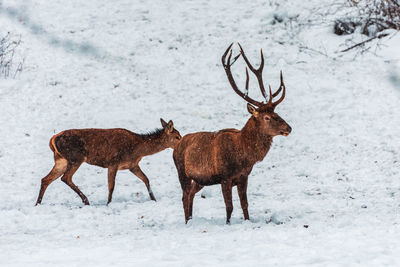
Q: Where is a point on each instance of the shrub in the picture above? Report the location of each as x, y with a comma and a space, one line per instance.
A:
8, 48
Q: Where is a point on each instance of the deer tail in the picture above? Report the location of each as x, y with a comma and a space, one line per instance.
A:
53, 145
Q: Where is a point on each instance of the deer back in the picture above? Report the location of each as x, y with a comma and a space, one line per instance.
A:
101, 147
208, 156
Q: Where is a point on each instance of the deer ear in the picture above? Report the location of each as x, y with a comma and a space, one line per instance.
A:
163, 123
170, 125
252, 110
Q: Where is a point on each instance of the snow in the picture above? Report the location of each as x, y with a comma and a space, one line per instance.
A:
106, 64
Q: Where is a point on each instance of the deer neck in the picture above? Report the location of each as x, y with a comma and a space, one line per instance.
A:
256, 143
153, 143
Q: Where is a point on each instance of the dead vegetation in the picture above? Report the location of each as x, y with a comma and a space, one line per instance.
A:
370, 18
9, 66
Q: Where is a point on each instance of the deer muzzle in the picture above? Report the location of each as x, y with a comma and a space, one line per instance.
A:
287, 131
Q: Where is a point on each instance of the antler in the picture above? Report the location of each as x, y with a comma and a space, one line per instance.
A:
272, 95
227, 66
257, 72
282, 86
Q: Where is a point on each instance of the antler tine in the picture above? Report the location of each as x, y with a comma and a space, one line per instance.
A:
262, 61
260, 69
235, 58
270, 95
227, 67
277, 92
282, 86
257, 72
279, 89
247, 81
246, 60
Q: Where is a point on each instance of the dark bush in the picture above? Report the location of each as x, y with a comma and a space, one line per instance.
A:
373, 17
343, 27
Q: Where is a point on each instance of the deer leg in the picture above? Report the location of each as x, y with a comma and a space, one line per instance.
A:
186, 186
138, 172
59, 168
112, 172
227, 192
185, 201
67, 178
242, 192
195, 187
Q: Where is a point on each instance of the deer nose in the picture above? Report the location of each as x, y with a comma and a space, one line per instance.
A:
287, 131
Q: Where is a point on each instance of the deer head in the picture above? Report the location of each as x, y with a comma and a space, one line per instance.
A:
172, 135
267, 121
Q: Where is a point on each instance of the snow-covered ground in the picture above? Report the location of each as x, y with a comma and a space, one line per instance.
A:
105, 64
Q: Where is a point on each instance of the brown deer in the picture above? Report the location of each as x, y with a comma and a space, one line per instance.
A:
227, 157
115, 149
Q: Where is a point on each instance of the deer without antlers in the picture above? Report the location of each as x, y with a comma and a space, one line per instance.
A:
227, 157
115, 149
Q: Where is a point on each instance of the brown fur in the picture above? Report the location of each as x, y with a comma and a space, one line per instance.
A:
115, 149
227, 157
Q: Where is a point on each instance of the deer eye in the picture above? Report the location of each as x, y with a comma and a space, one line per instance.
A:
267, 118
177, 138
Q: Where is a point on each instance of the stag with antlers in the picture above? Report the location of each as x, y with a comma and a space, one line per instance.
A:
227, 157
